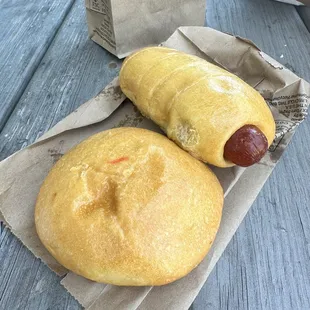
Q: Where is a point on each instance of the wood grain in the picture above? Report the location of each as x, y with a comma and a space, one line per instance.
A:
25, 282
275, 27
304, 13
27, 29
266, 265
73, 70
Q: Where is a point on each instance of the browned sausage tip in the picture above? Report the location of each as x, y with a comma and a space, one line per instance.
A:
246, 146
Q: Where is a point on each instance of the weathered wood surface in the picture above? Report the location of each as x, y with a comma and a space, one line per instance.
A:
304, 13
266, 266
73, 70
26, 30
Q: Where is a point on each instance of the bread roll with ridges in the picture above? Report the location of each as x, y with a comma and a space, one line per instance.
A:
129, 207
147, 58
199, 105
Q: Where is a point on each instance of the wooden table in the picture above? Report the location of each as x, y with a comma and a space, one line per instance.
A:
48, 67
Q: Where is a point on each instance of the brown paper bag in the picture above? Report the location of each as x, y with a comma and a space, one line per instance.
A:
124, 26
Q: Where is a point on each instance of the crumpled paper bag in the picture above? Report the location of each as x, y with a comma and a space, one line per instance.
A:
22, 173
122, 26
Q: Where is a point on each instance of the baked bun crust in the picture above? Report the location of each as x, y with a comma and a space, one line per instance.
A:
199, 105
129, 207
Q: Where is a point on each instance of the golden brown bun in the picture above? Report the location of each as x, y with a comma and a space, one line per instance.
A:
199, 105
129, 207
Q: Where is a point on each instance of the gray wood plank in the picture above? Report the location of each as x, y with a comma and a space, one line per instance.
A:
255, 266
275, 27
304, 13
73, 70
266, 265
27, 282
26, 30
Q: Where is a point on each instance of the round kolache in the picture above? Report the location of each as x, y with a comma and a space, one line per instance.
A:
127, 206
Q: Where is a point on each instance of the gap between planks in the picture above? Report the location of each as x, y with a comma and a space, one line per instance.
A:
16, 97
